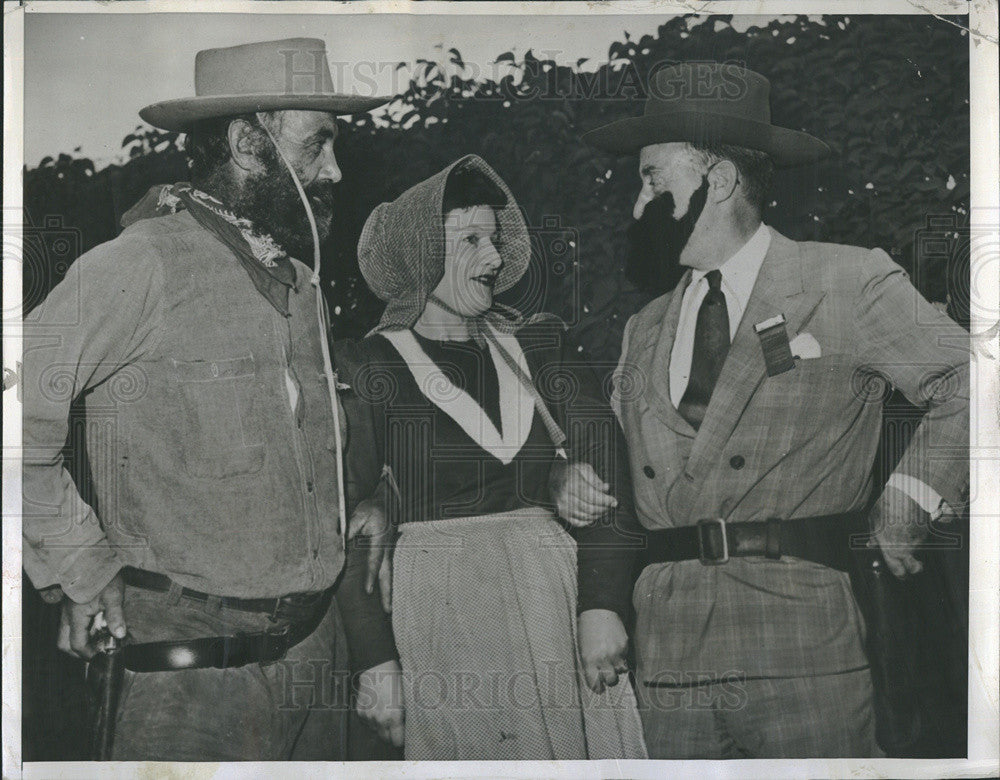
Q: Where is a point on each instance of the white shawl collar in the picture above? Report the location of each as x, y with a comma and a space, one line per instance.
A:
517, 405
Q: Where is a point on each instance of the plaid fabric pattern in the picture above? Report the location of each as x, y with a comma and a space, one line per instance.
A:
401, 251
827, 716
797, 444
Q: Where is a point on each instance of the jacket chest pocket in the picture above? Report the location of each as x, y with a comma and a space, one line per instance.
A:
803, 399
222, 434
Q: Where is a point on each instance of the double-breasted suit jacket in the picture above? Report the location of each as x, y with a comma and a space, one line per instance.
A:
797, 444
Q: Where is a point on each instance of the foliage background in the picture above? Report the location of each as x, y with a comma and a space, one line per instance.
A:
888, 93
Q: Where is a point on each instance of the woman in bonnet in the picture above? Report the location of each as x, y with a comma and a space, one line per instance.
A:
448, 399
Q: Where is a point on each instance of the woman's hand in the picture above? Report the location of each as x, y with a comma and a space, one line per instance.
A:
380, 701
580, 496
603, 644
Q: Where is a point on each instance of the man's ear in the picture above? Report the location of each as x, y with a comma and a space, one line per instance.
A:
723, 179
243, 145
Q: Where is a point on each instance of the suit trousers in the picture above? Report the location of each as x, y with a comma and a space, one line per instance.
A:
294, 709
823, 716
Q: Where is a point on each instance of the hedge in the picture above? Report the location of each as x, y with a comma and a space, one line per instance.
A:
889, 94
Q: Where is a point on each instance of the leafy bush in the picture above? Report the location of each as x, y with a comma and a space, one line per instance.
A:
888, 93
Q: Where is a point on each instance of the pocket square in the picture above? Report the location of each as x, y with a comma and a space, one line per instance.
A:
804, 346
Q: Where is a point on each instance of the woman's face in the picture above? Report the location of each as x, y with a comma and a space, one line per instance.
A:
471, 260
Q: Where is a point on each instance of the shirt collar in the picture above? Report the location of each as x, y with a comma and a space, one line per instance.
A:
269, 267
739, 272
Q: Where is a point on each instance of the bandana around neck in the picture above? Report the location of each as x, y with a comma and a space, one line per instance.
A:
265, 261
264, 248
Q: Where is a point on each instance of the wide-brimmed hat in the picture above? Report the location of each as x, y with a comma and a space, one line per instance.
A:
709, 103
267, 76
401, 252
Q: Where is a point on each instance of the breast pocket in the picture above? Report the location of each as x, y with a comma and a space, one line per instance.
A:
819, 381
222, 434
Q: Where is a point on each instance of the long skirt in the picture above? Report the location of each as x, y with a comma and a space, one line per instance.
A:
484, 613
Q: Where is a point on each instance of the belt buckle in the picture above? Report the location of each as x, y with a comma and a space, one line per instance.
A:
704, 528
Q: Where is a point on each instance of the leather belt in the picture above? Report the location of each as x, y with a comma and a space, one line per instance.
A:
294, 606
299, 614
828, 540
218, 652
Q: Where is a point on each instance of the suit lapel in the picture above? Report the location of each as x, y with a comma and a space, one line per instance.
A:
654, 358
779, 289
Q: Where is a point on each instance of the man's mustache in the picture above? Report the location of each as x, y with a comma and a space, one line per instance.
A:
657, 220
656, 240
321, 191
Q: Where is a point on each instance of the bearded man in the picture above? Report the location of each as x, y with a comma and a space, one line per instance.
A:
752, 427
218, 532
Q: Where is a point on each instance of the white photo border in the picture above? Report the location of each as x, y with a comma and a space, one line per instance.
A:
984, 601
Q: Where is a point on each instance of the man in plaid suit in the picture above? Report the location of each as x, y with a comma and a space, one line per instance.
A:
752, 391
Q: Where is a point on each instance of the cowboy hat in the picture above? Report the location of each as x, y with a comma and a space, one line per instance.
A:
266, 76
708, 103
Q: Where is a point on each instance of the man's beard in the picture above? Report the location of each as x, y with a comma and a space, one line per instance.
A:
656, 240
271, 202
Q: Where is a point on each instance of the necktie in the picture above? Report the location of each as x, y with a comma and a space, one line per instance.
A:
711, 345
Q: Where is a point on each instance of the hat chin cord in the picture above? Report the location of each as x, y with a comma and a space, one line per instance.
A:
323, 320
